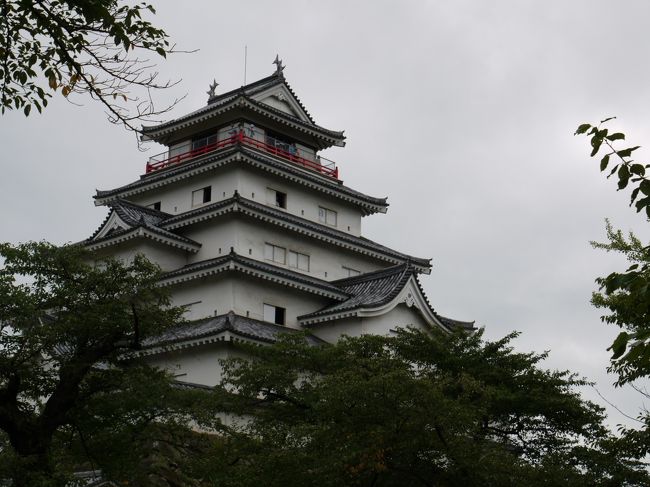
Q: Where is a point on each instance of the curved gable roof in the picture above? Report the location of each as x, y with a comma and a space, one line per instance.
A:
249, 96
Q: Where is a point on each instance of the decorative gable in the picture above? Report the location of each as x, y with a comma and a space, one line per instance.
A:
281, 98
112, 225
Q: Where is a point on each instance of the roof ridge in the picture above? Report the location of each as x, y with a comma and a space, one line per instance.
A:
144, 209
405, 267
327, 185
268, 267
256, 87
241, 89
253, 205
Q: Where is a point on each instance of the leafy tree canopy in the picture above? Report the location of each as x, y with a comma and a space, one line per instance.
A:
93, 47
626, 294
411, 409
68, 396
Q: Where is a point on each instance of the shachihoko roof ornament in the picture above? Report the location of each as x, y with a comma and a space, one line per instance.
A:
211, 92
279, 67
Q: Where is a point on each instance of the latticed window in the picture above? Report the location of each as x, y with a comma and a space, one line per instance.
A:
298, 260
274, 253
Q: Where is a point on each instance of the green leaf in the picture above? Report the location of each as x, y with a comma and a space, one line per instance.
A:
607, 119
623, 176
603, 162
619, 345
637, 169
616, 136
596, 142
642, 203
27, 109
582, 128
645, 187
627, 152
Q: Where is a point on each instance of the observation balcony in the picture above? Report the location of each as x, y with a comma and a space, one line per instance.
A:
264, 143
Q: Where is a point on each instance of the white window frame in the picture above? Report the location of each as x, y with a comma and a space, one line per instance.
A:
327, 216
275, 253
298, 260
274, 314
201, 196
272, 198
350, 271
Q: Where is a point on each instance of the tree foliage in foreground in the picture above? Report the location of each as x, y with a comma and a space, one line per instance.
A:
93, 47
68, 397
625, 294
411, 410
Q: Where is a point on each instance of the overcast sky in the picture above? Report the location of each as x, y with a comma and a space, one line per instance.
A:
462, 113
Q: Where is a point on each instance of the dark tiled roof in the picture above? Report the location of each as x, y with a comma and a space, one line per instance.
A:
137, 216
325, 184
246, 93
316, 228
301, 280
161, 176
155, 230
368, 290
258, 86
455, 324
238, 325
157, 222
375, 289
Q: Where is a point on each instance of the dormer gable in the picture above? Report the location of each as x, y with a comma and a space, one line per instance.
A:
112, 225
282, 98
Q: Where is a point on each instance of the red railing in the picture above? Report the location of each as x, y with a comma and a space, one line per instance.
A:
323, 166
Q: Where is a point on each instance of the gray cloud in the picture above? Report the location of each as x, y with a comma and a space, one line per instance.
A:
462, 113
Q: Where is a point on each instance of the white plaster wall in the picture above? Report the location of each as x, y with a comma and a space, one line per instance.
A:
177, 197
283, 106
204, 297
215, 236
168, 258
249, 236
331, 332
250, 296
198, 365
300, 200
401, 316
245, 296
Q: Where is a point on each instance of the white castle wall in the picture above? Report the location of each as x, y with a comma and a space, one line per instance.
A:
248, 237
177, 197
196, 365
401, 316
245, 296
166, 257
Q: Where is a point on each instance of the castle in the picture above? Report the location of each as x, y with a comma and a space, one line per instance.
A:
256, 234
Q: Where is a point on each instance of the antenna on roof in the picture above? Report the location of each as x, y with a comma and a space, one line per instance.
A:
245, 62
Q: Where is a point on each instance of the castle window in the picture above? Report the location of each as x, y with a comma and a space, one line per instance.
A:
276, 198
275, 253
281, 142
204, 141
201, 196
155, 206
298, 261
274, 314
349, 272
327, 216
